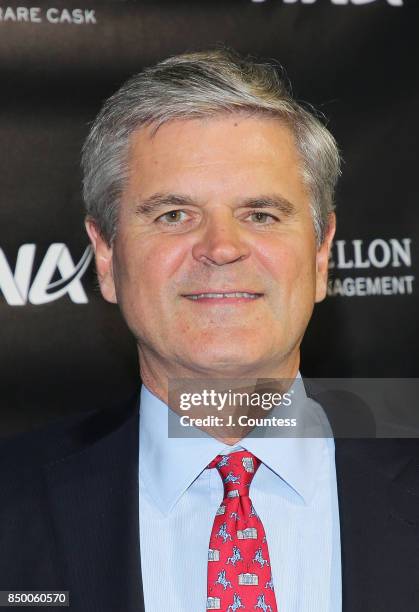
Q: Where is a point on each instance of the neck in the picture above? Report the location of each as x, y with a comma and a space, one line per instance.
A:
254, 378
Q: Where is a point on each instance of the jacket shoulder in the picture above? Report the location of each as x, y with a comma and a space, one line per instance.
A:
63, 437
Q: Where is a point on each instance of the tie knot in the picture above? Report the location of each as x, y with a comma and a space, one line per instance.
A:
237, 471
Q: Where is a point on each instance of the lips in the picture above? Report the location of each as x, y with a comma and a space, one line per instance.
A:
223, 295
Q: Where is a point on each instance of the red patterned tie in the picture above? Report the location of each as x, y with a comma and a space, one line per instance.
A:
239, 569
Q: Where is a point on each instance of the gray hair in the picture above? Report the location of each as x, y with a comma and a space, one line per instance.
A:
195, 85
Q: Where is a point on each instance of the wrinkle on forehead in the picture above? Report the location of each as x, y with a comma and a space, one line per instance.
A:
229, 157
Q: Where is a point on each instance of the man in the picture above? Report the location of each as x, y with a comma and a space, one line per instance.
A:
209, 195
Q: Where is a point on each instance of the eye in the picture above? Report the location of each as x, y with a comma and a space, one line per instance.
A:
173, 217
261, 217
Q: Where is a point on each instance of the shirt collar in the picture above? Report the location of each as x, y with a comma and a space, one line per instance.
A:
168, 466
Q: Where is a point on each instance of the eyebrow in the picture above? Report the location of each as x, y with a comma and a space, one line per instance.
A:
284, 206
149, 206
158, 201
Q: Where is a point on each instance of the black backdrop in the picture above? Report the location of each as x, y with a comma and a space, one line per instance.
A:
63, 349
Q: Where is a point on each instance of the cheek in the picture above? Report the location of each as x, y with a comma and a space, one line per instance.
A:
162, 264
287, 259
291, 268
149, 269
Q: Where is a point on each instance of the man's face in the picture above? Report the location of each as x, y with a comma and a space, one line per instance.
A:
216, 206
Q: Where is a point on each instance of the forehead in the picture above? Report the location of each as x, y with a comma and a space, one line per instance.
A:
225, 152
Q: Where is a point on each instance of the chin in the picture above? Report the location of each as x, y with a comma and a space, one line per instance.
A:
228, 361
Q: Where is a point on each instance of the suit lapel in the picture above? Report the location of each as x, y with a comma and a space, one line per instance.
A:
93, 493
378, 491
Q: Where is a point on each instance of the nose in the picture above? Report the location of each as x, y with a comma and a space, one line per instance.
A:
221, 241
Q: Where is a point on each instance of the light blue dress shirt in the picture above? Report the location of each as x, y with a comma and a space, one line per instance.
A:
294, 493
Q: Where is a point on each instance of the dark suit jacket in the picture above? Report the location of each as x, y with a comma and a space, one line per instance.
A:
69, 516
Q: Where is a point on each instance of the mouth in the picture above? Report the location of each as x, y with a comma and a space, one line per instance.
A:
223, 297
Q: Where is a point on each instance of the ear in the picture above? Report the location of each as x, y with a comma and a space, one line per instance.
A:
322, 259
103, 258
